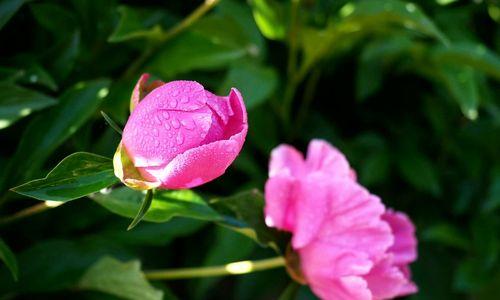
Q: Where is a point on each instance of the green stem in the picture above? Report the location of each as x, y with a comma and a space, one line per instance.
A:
29, 211
241, 267
199, 12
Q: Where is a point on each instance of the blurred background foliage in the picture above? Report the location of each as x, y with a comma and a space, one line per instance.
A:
407, 90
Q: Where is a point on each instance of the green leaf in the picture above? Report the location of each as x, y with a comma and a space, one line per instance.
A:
54, 265
270, 18
9, 259
418, 171
17, 102
255, 82
54, 18
359, 19
45, 133
145, 205
476, 56
7, 9
122, 279
245, 214
461, 83
194, 51
166, 204
137, 23
75, 176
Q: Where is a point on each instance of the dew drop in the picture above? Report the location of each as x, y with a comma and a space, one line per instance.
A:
167, 126
184, 99
155, 132
166, 115
176, 124
157, 143
170, 135
157, 120
180, 139
173, 103
188, 124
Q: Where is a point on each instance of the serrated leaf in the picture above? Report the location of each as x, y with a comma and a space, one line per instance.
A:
17, 102
122, 279
165, 205
75, 176
8, 257
45, 133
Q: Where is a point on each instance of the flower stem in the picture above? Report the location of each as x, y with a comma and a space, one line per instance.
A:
29, 211
199, 12
241, 267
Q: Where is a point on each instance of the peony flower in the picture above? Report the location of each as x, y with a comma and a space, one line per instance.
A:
179, 135
349, 246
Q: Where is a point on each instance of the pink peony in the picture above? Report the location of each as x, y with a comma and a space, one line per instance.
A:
350, 247
179, 135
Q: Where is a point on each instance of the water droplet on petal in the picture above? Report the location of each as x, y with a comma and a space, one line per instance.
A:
166, 115
167, 126
184, 99
180, 139
188, 124
173, 103
157, 120
155, 132
170, 135
176, 124
157, 143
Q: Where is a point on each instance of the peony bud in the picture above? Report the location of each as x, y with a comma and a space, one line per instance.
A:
179, 135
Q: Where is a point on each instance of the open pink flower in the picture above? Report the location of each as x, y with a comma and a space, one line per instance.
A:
180, 135
349, 246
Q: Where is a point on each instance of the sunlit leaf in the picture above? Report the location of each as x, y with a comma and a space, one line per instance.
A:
17, 102
270, 17
76, 176
165, 205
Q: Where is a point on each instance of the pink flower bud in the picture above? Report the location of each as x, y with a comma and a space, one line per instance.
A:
179, 135
349, 246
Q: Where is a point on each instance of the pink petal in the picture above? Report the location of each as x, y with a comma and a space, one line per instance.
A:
280, 201
405, 242
286, 160
323, 157
142, 88
385, 280
311, 207
204, 163
170, 120
343, 288
354, 219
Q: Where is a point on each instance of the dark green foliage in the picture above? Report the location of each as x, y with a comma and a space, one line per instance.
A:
408, 91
